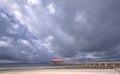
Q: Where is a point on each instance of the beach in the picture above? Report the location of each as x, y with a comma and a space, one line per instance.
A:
58, 71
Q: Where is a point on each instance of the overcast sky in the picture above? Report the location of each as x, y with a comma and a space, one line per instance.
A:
35, 31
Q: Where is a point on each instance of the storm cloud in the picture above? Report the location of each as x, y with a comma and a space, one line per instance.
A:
39, 30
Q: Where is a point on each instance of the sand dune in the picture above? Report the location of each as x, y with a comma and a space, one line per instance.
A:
60, 71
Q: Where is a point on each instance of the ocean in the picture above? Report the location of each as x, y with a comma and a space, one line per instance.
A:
14, 65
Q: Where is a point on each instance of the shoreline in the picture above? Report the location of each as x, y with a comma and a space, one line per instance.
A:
47, 67
58, 71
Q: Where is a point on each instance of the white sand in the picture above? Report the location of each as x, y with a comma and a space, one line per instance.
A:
61, 71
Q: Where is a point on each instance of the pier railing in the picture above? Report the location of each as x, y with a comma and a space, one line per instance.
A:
91, 65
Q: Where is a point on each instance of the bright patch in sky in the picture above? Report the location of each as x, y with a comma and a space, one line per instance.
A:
80, 18
4, 43
18, 15
25, 42
36, 2
51, 8
4, 16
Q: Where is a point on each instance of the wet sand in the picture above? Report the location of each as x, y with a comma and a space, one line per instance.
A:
59, 71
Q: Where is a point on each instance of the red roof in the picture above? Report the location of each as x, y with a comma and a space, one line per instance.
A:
57, 60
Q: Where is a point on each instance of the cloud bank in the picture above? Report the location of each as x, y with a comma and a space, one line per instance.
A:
38, 30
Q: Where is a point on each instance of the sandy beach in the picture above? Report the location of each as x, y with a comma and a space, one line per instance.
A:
59, 71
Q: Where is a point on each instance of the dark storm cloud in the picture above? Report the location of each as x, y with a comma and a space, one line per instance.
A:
93, 25
70, 29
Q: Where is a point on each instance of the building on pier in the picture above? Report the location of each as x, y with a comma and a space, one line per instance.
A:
56, 62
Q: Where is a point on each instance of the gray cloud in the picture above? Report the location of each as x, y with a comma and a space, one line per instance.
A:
96, 28
59, 29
